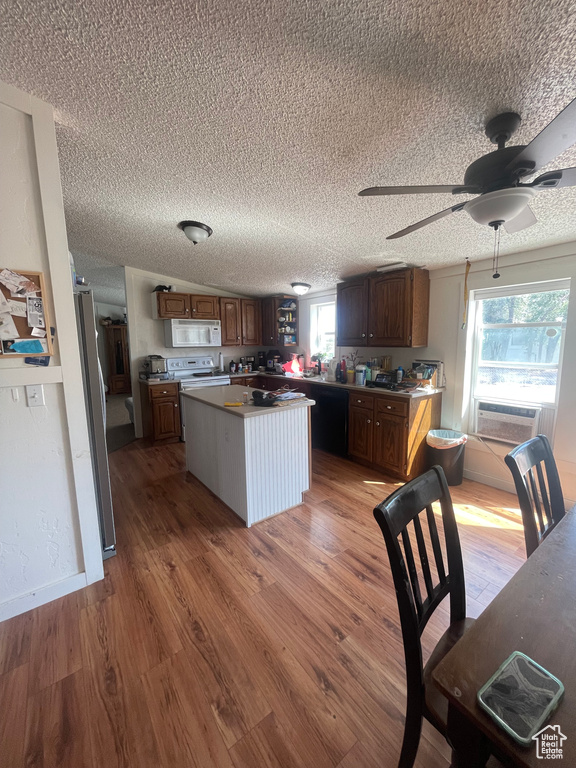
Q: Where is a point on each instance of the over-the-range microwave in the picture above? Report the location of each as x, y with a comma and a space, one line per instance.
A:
192, 333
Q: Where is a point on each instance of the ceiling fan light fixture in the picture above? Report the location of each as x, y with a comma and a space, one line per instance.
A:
502, 205
300, 288
195, 231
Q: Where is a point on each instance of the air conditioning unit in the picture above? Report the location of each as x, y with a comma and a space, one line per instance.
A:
509, 423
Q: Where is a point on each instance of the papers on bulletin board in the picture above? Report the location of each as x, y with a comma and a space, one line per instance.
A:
8, 328
16, 308
25, 346
4, 304
35, 312
39, 332
17, 284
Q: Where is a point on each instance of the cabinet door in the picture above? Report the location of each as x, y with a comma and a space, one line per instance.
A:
390, 310
230, 317
251, 322
165, 419
352, 313
173, 305
360, 430
205, 307
390, 442
269, 324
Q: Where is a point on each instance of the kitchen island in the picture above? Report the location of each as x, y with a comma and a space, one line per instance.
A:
257, 460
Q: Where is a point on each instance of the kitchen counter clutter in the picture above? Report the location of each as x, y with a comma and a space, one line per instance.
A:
257, 460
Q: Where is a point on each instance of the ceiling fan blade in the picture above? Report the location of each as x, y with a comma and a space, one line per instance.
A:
524, 220
425, 222
550, 142
433, 188
566, 177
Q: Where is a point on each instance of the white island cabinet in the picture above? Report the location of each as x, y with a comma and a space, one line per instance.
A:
257, 460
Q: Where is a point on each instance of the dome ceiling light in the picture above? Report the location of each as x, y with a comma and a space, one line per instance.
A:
300, 288
195, 231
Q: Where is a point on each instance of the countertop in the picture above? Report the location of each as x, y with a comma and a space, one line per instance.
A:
230, 393
150, 383
370, 390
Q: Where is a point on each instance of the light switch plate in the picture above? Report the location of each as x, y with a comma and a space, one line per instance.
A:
35, 395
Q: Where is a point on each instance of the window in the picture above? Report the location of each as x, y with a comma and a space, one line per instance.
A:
323, 329
518, 341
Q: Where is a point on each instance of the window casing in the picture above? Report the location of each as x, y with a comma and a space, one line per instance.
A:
518, 341
323, 329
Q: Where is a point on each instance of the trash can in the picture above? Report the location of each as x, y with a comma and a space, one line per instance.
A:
446, 448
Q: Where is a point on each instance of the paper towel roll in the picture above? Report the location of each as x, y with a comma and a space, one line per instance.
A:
221, 361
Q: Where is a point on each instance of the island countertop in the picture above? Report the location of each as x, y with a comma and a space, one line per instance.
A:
217, 396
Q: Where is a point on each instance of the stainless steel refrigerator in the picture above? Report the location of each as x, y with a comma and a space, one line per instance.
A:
95, 398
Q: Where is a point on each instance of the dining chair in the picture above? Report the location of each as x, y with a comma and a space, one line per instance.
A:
423, 577
538, 489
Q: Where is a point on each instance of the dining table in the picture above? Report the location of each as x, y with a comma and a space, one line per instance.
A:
535, 613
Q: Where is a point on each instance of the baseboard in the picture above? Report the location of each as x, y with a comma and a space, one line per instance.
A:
41, 596
494, 482
502, 485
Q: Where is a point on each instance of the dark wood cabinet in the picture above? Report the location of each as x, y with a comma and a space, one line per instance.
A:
173, 305
251, 321
387, 310
360, 433
205, 307
351, 312
160, 411
269, 324
119, 382
389, 433
231, 322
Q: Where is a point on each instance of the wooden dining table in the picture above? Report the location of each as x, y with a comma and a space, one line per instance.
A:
535, 613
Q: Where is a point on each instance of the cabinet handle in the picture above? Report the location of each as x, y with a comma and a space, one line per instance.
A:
189, 310
358, 401
377, 423
238, 337
175, 405
164, 391
371, 335
389, 407
367, 421
363, 335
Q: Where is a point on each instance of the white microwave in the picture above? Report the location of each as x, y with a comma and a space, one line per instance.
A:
192, 333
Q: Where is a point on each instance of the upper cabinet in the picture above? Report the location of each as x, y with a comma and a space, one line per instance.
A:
351, 312
387, 310
269, 323
231, 322
205, 307
172, 305
251, 316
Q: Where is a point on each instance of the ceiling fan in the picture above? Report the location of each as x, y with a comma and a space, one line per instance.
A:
496, 177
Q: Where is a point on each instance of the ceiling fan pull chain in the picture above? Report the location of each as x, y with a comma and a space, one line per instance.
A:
496, 255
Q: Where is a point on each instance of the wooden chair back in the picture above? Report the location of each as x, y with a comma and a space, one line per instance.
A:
538, 488
411, 507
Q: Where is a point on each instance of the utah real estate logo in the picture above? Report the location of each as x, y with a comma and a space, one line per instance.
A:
549, 743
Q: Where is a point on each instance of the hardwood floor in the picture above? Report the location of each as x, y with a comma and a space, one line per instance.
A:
216, 646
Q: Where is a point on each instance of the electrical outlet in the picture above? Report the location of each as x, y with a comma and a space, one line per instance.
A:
35, 395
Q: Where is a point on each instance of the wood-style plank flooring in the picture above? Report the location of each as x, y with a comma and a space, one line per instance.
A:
216, 646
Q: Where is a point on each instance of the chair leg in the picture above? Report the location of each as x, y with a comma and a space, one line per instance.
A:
411, 741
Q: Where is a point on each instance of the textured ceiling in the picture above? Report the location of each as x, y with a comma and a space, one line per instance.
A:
264, 120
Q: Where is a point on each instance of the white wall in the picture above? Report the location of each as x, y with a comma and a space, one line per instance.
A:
49, 538
447, 340
146, 336
116, 313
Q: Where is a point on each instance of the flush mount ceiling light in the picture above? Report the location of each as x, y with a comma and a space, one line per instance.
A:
195, 231
300, 288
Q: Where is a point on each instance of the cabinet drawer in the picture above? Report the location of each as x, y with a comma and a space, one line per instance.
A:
163, 390
361, 401
392, 405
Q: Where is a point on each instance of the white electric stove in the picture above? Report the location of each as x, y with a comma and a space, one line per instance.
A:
194, 373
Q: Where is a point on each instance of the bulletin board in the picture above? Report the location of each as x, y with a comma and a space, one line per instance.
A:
24, 315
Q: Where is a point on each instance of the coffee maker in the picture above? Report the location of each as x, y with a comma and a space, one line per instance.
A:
261, 361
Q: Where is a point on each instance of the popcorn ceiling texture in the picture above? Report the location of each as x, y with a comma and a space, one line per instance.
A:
265, 119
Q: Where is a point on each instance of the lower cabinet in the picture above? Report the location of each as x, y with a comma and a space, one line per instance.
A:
160, 411
389, 433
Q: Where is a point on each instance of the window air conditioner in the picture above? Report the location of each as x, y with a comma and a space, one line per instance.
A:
509, 423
